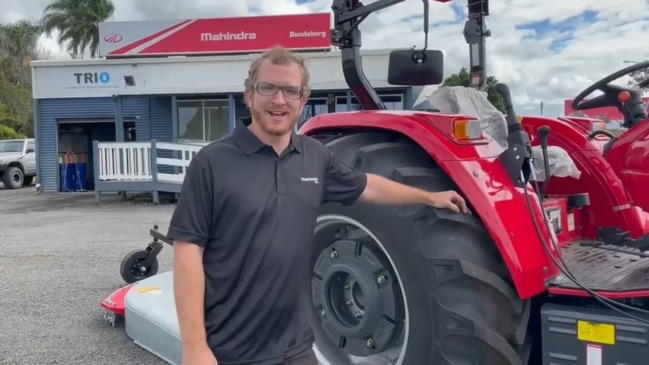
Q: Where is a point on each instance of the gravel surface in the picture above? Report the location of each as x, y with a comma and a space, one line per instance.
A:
59, 258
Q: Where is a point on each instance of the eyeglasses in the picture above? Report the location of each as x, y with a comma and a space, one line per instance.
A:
268, 89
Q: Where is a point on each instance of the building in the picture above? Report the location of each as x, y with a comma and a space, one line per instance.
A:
176, 82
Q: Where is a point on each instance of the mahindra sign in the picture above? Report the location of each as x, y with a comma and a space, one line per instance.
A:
214, 36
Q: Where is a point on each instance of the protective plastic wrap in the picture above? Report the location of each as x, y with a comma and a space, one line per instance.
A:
561, 165
474, 103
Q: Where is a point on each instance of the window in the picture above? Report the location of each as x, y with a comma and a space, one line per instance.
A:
11, 146
315, 106
30, 146
203, 120
341, 104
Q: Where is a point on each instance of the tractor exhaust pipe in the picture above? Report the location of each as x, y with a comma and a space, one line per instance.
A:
517, 158
543, 132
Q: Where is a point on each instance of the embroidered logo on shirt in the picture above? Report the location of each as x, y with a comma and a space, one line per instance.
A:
310, 179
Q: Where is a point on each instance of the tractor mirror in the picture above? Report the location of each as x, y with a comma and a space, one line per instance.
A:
416, 67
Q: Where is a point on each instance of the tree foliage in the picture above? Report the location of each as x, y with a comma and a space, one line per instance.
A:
18, 47
463, 78
78, 23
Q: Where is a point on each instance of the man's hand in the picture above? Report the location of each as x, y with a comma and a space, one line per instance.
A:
449, 200
198, 355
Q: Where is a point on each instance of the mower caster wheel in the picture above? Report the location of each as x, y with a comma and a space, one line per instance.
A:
138, 265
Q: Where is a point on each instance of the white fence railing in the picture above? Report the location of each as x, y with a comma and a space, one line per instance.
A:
144, 161
185, 153
124, 161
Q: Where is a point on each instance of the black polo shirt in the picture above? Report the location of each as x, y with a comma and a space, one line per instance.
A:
254, 212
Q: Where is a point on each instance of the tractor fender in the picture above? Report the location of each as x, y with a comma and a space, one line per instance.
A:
482, 179
602, 176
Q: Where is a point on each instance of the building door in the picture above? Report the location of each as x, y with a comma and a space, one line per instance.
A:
75, 151
129, 131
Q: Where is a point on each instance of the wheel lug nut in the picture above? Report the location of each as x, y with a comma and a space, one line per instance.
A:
349, 303
381, 279
323, 313
333, 255
369, 342
359, 315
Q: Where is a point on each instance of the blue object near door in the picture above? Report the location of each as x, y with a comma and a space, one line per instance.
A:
73, 177
82, 176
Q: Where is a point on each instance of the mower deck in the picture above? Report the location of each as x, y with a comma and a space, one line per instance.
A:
606, 268
150, 317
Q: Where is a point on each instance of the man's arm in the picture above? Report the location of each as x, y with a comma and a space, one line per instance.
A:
346, 184
190, 230
189, 293
380, 190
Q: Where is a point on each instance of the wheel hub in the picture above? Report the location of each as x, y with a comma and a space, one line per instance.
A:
15, 177
356, 299
139, 268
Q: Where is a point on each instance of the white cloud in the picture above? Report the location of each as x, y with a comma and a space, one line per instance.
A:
533, 72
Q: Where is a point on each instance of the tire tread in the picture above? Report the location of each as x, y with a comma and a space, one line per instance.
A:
475, 269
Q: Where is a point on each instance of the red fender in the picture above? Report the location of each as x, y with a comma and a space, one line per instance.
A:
603, 178
481, 178
629, 157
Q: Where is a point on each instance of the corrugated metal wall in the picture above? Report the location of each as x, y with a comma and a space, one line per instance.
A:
152, 116
49, 112
136, 109
161, 121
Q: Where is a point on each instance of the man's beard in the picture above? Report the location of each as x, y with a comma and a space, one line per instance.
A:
270, 128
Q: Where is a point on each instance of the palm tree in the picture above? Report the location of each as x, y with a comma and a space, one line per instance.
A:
77, 22
18, 46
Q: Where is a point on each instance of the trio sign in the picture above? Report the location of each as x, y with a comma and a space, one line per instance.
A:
92, 77
214, 36
90, 80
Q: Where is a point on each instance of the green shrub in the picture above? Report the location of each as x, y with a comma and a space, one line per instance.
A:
9, 133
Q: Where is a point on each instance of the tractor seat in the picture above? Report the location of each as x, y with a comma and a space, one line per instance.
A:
472, 102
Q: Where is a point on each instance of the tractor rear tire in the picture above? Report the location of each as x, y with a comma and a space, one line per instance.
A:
428, 278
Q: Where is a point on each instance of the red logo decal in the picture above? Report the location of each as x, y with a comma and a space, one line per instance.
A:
113, 38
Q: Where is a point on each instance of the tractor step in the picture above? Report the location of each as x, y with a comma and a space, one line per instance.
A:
606, 268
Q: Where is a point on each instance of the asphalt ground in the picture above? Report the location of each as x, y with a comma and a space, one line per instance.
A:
59, 258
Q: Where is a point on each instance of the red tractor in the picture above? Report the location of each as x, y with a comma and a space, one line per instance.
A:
550, 267
547, 270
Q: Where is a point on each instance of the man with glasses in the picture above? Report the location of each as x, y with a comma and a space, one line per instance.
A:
243, 226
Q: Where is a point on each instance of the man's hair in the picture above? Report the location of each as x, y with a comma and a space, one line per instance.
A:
279, 56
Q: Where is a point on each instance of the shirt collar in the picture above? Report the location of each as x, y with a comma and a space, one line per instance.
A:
249, 143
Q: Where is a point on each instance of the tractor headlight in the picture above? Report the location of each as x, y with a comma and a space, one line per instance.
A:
467, 129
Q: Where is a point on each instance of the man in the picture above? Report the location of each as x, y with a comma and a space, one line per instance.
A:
243, 226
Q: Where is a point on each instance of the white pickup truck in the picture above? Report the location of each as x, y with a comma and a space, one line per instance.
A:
17, 162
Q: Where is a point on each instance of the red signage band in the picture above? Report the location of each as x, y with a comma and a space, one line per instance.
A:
230, 35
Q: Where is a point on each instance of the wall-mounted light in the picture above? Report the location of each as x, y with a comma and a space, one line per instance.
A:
130, 80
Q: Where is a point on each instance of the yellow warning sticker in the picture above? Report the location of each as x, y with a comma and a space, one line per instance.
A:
149, 290
596, 332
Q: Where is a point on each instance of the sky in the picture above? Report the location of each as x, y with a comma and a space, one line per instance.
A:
546, 51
